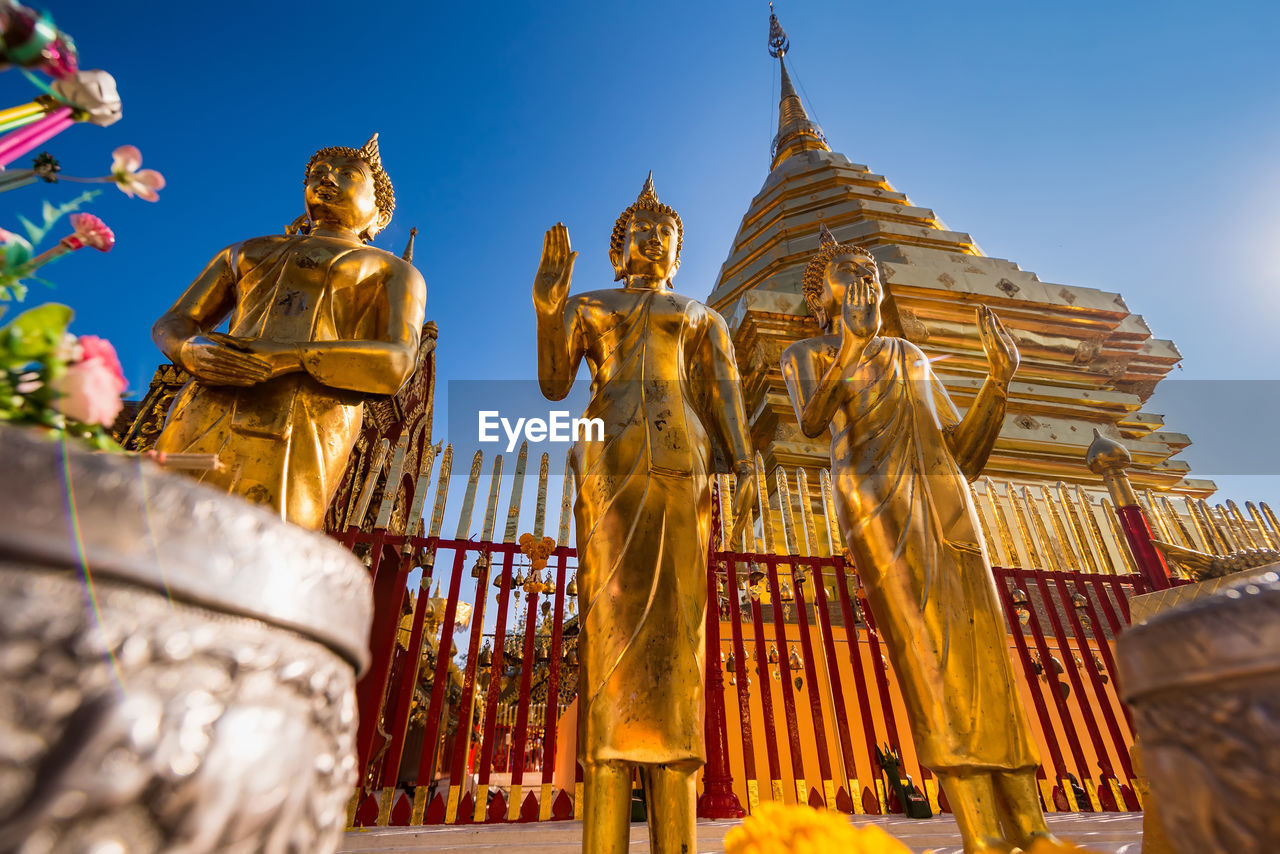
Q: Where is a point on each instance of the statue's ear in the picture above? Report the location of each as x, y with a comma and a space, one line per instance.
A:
383, 219
619, 272
819, 313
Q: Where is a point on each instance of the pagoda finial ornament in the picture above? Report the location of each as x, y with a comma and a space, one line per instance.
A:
779, 44
796, 131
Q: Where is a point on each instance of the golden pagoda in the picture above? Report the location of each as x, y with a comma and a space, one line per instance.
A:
1087, 360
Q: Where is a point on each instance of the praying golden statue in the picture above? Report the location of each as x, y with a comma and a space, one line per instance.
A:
318, 320
900, 460
665, 383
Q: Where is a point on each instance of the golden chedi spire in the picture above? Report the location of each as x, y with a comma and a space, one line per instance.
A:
796, 131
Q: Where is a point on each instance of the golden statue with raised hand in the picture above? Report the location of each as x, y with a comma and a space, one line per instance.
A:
900, 460
318, 320
665, 383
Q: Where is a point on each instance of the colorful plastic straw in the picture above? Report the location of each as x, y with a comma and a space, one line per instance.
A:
31, 108
19, 142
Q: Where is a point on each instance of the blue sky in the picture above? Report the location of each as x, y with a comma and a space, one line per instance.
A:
1124, 146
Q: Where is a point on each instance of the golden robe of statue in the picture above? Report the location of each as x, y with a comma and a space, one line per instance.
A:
317, 321
665, 383
901, 459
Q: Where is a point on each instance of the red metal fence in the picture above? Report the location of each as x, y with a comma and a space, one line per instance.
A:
466, 709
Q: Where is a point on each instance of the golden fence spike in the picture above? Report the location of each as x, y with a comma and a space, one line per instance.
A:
829, 511
762, 503
1273, 524
517, 495
370, 480
1175, 521
391, 490
1154, 517
1088, 560
1267, 536
993, 549
1024, 528
1048, 545
1246, 536
1061, 535
806, 515
1204, 526
566, 499
726, 513
540, 506
491, 504
1090, 511
413, 521
1002, 524
469, 497
442, 491
1118, 538
788, 521
1223, 527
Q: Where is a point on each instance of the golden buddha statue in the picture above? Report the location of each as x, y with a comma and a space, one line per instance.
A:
900, 460
665, 384
318, 320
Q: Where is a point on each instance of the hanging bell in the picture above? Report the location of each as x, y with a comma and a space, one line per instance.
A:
799, 575
1037, 666
730, 665
795, 660
485, 658
546, 607
540, 652
1019, 596
757, 574
1078, 601
478, 568
773, 654
571, 657
571, 589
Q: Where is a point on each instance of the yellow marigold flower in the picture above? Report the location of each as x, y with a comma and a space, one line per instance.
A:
1044, 846
798, 829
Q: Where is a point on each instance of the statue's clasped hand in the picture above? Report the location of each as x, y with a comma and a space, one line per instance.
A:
220, 359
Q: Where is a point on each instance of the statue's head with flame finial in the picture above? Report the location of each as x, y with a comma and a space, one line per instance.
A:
647, 238
830, 272
349, 188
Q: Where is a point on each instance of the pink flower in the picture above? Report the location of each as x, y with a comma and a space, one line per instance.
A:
89, 231
90, 389
132, 181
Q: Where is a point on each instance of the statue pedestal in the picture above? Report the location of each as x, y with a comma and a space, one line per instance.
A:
178, 665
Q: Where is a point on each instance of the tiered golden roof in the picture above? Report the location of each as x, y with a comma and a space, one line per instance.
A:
1087, 360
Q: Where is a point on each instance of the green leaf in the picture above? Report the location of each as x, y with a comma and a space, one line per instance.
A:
37, 331
51, 214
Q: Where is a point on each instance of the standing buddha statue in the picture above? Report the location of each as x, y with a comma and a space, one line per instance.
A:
318, 320
665, 383
901, 459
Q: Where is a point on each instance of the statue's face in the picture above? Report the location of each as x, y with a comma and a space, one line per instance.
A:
652, 241
340, 190
843, 271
